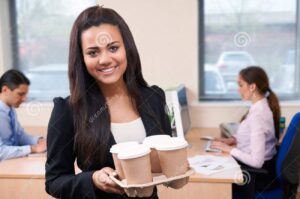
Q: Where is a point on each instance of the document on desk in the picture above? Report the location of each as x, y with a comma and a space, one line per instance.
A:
209, 164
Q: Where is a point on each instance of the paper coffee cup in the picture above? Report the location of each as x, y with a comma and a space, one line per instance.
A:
151, 142
117, 148
136, 165
173, 160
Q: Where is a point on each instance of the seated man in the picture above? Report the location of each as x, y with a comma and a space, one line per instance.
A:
14, 141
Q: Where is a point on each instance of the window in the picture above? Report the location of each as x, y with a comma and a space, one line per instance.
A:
41, 40
234, 34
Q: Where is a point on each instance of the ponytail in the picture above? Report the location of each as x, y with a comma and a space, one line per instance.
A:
275, 108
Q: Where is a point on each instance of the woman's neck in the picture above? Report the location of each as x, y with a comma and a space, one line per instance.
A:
256, 97
113, 90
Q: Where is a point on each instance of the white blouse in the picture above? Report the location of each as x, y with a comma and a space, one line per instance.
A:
129, 131
255, 137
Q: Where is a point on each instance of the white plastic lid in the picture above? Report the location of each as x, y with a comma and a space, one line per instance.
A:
172, 144
153, 140
134, 152
117, 148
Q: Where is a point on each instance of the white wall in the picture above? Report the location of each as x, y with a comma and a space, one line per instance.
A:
5, 38
166, 36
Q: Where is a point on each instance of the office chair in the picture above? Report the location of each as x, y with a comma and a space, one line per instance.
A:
287, 163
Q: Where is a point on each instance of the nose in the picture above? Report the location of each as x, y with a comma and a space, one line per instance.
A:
105, 58
24, 98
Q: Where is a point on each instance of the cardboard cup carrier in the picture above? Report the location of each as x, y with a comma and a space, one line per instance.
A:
140, 170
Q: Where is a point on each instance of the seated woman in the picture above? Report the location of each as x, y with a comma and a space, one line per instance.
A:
254, 145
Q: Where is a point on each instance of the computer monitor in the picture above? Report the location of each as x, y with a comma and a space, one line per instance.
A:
178, 110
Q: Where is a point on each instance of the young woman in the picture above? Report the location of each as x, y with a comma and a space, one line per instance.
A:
107, 91
254, 144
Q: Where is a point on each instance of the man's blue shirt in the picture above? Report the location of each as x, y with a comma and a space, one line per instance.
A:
13, 146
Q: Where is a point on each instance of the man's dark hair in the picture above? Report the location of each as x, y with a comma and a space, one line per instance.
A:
13, 79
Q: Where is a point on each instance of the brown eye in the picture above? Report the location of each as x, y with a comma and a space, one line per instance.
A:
113, 49
92, 53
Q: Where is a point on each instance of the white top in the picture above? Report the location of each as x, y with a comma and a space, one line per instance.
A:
129, 131
255, 137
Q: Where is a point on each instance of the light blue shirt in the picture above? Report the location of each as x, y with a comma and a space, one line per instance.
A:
10, 148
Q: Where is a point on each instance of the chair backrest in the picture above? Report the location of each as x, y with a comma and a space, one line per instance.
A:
286, 144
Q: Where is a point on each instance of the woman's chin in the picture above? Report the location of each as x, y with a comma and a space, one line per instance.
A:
109, 81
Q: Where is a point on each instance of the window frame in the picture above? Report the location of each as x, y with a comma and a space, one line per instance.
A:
15, 54
234, 97
14, 33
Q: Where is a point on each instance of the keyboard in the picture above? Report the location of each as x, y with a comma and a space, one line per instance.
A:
209, 149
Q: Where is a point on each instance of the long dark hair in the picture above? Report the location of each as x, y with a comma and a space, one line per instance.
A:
257, 75
90, 111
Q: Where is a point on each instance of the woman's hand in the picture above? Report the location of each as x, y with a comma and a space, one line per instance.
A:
228, 141
102, 181
220, 145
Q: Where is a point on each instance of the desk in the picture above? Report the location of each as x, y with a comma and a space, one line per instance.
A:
25, 177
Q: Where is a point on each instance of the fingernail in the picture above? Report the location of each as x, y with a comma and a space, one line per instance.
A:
114, 173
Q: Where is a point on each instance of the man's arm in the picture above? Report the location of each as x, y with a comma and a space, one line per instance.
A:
37, 143
8, 152
23, 137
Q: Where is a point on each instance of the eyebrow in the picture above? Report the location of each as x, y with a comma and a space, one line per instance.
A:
97, 47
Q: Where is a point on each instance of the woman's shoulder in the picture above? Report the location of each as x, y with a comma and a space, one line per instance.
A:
153, 90
261, 112
61, 113
62, 104
60, 101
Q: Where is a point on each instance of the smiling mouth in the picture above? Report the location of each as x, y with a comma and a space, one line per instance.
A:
107, 70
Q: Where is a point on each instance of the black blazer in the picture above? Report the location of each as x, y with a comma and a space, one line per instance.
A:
61, 181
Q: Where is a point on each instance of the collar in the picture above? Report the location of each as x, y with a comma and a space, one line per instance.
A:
260, 104
4, 107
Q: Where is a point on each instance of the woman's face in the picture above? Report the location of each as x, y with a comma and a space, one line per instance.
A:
104, 54
245, 90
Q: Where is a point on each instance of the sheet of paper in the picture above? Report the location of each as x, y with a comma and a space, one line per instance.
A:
209, 164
